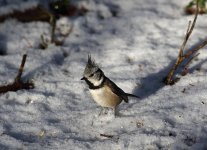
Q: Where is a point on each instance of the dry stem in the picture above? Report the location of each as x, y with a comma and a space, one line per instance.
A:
190, 54
18, 84
107, 136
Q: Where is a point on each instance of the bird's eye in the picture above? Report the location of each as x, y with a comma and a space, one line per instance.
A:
91, 75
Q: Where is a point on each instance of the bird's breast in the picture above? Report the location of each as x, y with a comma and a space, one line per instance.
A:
105, 97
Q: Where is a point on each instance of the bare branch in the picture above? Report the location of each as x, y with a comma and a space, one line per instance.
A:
107, 136
181, 56
186, 66
53, 26
196, 49
18, 84
18, 77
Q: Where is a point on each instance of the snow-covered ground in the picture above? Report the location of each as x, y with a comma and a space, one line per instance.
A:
135, 42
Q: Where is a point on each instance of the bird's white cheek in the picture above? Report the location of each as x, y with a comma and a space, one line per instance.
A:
96, 82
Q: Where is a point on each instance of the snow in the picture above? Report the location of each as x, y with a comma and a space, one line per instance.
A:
135, 48
15, 5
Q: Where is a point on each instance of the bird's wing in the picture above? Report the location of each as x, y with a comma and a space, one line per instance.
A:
116, 90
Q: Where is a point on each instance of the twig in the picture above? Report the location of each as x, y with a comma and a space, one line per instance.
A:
18, 84
18, 77
43, 42
53, 27
196, 49
107, 136
185, 68
181, 56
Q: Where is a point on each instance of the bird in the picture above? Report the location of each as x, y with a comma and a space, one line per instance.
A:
103, 90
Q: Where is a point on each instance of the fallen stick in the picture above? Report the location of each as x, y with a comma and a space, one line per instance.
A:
107, 136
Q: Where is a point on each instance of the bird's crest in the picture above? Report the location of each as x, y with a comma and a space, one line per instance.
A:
91, 66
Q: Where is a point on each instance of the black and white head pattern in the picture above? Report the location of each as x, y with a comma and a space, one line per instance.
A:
93, 73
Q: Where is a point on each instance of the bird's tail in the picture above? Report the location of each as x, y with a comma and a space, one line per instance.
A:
131, 95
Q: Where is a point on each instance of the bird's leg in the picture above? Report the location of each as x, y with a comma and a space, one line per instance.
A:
103, 111
106, 110
100, 111
115, 111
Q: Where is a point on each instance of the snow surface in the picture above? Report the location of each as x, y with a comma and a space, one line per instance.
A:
135, 43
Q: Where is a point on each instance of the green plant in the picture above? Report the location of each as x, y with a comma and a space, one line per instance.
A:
190, 8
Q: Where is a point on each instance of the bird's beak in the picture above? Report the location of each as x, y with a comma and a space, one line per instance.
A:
83, 78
